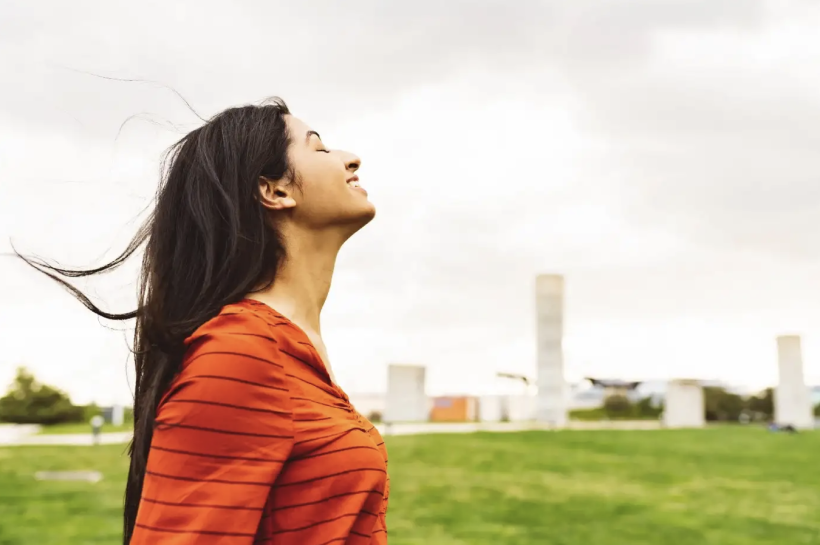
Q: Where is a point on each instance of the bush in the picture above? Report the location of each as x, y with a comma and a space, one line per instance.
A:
762, 405
723, 406
89, 411
617, 410
588, 415
646, 409
618, 406
29, 402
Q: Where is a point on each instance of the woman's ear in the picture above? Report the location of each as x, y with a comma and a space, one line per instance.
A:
276, 194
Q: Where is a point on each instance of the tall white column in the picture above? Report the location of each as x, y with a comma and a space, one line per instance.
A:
551, 402
406, 394
792, 404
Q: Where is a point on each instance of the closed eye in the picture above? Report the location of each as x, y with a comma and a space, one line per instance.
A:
319, 138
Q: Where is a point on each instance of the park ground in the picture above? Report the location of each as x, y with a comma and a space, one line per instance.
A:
723, 486
71, 429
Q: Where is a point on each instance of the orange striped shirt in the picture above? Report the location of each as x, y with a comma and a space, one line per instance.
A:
255, 444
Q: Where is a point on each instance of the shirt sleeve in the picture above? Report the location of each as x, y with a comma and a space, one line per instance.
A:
222, 434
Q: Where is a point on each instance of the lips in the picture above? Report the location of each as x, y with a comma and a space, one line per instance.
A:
353, 183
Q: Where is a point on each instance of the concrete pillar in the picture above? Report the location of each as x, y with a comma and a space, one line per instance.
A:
118, 415
406, 394
521, 408
792, 405
684, 406
551, 402
489, 408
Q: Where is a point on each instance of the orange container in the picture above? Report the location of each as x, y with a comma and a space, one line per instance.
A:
454, 409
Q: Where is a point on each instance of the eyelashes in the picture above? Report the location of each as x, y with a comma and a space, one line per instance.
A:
323, 150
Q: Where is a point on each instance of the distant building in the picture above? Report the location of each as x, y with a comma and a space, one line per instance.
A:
814, 395
615, 387
114, 414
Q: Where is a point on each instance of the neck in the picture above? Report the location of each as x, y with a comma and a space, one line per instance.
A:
302, 282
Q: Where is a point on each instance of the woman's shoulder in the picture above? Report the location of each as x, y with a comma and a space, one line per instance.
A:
246, 327
232, 363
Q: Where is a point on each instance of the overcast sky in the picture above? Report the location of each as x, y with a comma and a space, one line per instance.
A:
661, 155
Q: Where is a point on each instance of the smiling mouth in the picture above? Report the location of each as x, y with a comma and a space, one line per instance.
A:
353, 183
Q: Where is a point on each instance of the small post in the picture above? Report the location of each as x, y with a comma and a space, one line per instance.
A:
96, 427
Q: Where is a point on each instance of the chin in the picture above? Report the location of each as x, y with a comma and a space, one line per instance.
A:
359, 218
370, 212
365, 216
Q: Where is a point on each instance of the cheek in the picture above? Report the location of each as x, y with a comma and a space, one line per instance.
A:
321, 172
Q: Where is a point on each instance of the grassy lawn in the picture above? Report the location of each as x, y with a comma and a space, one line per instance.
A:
724, 486
599, 414
82, 428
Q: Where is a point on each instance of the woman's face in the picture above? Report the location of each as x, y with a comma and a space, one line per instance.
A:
329, 194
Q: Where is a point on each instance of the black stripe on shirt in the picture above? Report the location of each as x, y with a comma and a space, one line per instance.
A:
163, 425
204, 480
329, 475
186, 531
219, 456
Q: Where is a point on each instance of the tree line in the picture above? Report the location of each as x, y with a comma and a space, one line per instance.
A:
720, 405
28, 401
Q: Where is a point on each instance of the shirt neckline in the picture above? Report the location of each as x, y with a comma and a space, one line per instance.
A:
305, 339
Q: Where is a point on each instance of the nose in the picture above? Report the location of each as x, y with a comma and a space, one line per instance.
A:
352, 162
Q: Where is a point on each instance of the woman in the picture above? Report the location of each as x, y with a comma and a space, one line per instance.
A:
241, 434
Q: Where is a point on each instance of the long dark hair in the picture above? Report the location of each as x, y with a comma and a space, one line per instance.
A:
207, 243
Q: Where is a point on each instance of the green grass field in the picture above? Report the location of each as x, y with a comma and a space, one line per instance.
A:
724, 486
62, 429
